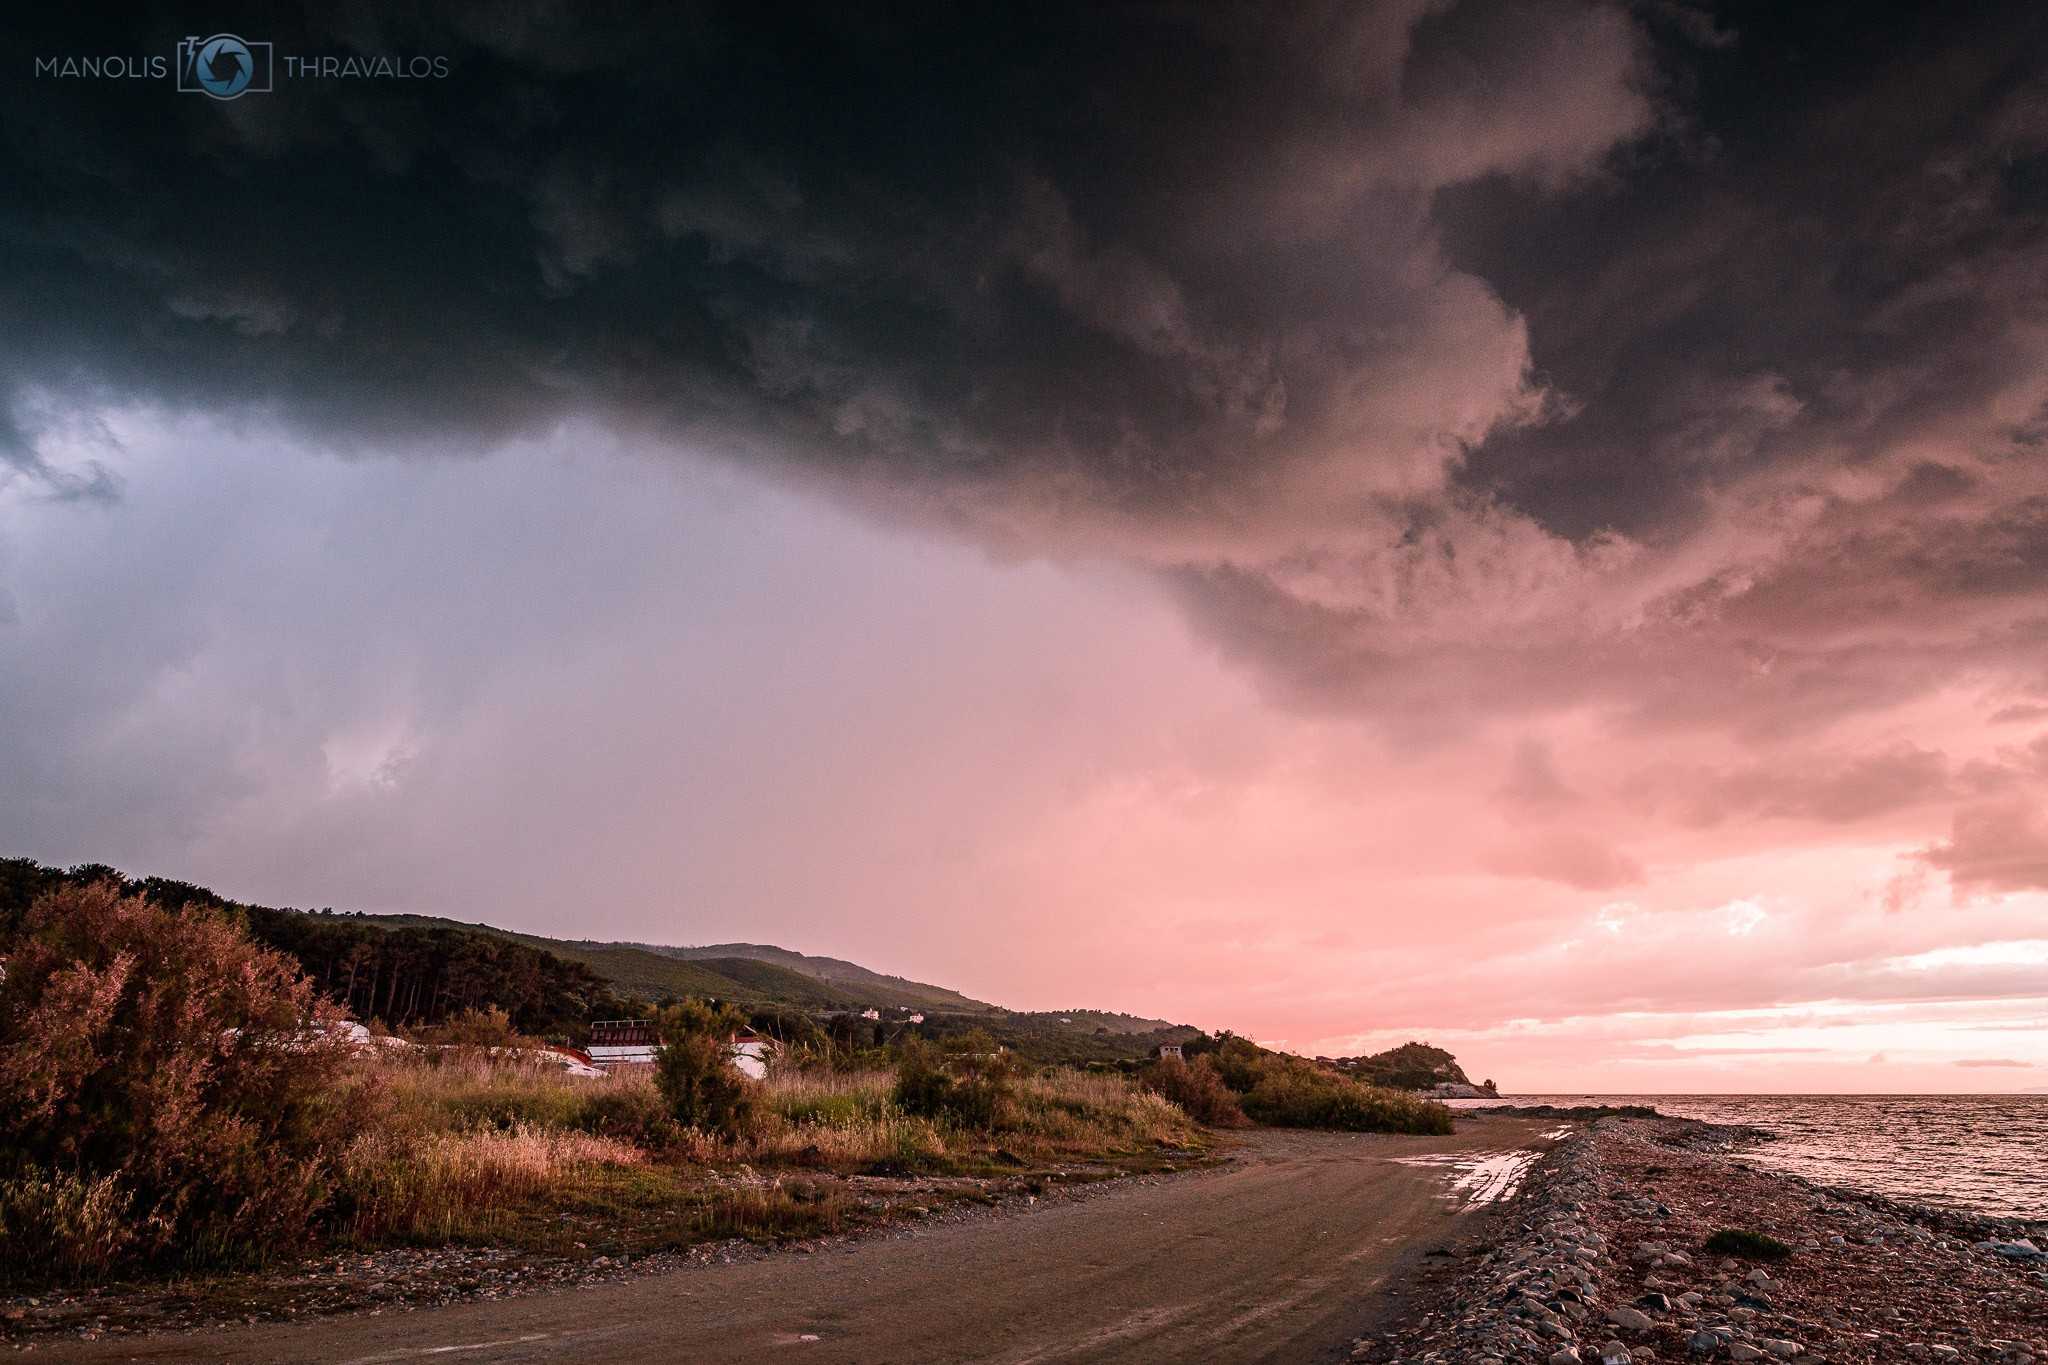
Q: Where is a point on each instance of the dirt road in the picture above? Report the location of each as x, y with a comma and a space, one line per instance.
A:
1275, 1258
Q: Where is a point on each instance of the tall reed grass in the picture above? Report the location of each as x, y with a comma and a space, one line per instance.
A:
434, 1187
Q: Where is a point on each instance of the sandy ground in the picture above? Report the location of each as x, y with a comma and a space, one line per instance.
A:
1276, 1257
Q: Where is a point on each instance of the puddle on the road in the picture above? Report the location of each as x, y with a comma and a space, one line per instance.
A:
1480, 1177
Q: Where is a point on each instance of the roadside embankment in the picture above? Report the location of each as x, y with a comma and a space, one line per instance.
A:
1611, 1255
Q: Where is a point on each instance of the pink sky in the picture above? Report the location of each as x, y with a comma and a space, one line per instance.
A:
716, 711
1517, 525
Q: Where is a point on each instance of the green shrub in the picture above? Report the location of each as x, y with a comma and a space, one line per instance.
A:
159, 1063
1294, 1094
481, 1029
965, 1085
1755, 1246
631, 1113
694, 1069
1240, 1063
1198, 1088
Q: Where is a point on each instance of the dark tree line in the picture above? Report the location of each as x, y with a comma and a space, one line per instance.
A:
405, 976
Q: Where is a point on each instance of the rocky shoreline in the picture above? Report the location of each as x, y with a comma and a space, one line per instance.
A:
1603, 1258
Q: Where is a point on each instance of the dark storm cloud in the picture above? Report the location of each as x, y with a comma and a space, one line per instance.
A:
1113, 250
1996, 846
1446, 357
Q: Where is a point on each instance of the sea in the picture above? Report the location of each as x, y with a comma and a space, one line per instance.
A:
1986, 1153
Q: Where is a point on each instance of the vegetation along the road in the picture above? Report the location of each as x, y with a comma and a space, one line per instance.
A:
177, 1091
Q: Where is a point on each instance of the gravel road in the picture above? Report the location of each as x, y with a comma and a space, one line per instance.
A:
1275, 1257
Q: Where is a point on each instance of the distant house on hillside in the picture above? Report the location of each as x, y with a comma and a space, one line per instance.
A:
871, 1014
1169, 1050
623, 1044
916, 1018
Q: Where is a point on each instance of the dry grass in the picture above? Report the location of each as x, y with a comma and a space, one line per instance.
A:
470, 1147
845, 1121
81, 1228
829, 1096
144, 1140
839, 1121
461, 1088
795, 1210
442, 1186
1074, 1113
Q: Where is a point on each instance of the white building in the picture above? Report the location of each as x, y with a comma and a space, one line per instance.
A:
631, 1044
623, 1044
750, 1053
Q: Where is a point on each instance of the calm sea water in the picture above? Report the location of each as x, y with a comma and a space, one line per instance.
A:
1982, 1152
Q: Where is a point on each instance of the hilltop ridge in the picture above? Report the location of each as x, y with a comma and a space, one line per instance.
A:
412, 970
1413, 1066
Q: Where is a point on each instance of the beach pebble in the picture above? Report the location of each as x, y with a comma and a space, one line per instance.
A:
1634, 1319
2022, 1249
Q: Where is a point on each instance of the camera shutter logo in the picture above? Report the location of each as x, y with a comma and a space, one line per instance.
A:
223, 66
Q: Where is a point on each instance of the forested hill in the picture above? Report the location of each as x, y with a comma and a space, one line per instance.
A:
409, 970
839, 972
415, 970
1411, 1066
403, 976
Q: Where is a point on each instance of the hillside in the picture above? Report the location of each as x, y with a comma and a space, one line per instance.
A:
1411, 1066
414, 970
1108, 1021
894, 990
418, 969
1065, 1037
420, 972
760, 975
751, 973
650, 975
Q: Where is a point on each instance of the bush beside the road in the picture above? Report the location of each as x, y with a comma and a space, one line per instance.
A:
169, 1090
1286, 1091
173, 1095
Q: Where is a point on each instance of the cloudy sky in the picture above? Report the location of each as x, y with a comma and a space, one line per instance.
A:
1522, 525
